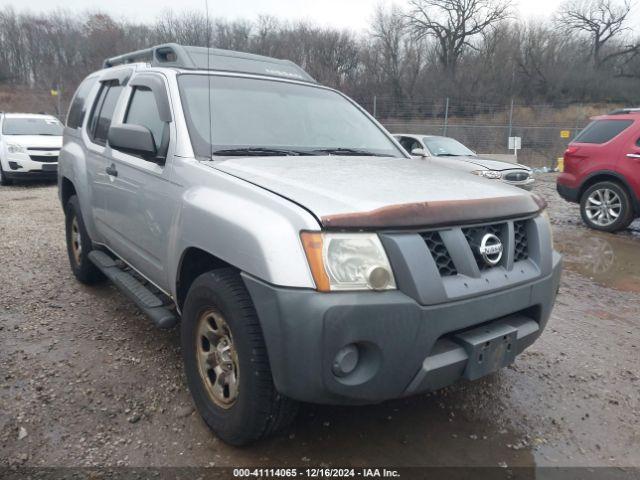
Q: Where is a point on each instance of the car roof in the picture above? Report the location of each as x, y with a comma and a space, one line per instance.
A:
618, 116
621, 111
29, 115
188, 58
417, 135
631, 113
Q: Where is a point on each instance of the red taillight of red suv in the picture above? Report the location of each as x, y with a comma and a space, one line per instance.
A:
574, 153
570, 151
572, 157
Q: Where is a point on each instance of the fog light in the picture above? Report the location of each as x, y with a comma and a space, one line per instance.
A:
346, 360
378, 278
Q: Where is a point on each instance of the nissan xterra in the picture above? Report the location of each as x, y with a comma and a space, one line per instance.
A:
305, 255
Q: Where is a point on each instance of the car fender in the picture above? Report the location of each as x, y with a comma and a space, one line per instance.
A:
246, 226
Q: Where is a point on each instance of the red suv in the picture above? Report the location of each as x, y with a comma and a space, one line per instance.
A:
602, 170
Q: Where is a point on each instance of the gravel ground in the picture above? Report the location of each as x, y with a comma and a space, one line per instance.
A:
85, 380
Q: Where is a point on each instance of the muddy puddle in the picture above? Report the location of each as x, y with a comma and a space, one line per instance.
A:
611, 260
428, 430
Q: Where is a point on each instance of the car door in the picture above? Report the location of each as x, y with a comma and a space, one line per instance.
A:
97, 159
142, 202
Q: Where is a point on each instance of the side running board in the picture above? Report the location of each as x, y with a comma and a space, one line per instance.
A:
145, 299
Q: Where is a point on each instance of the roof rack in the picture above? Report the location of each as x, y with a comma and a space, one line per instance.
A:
203, 58
622, 111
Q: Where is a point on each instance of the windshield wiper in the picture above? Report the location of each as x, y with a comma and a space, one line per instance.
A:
449, 155
350, 151
258, 152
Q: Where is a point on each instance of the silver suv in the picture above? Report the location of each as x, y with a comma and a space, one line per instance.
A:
305, 255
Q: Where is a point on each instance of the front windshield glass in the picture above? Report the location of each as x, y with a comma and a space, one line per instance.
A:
446, 147
264, 117
32, 126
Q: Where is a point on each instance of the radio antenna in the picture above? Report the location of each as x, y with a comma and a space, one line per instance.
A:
206, 7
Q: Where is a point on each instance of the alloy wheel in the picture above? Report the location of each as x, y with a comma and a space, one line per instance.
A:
603, 207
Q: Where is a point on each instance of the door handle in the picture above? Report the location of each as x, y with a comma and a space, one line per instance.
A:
633, 155
111, 171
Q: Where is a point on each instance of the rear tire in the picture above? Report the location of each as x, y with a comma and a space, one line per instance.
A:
226, 361
606, 206
79, 245
4, 181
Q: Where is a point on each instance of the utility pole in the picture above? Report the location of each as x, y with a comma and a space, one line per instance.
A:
510, 120
579, 114
375, 106
446, 118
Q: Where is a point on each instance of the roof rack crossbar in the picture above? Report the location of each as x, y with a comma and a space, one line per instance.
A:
203, 58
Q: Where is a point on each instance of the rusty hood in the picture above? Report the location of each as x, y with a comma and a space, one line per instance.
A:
378, 192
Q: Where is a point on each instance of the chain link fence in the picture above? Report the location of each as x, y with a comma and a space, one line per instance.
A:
545, 130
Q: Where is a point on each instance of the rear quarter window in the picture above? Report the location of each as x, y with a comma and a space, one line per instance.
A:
601, 131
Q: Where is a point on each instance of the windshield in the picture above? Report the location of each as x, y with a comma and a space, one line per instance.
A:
446, 147
264, 117
32, 126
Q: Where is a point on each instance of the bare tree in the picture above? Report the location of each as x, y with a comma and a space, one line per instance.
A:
399, 59
604, 21
388, 30
454, 24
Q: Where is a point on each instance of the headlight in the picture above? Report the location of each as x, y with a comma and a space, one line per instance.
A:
15, 148
492, 174
348, 261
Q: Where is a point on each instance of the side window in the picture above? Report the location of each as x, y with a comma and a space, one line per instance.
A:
78, 107
405, 142
143, 110
102, 114
409, 144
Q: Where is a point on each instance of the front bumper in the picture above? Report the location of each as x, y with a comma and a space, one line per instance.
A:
568, 193
32, 175
405, 347
22, 165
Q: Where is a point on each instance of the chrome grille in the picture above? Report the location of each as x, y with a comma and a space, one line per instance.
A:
521, 245
440, 253
474, 237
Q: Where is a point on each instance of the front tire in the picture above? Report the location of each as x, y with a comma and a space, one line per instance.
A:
606, 206
79, 245
226, 361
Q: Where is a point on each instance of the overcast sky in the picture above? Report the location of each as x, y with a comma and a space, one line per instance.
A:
353, 14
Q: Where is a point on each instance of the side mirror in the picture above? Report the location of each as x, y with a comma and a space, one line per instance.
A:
134, 139
419, 152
